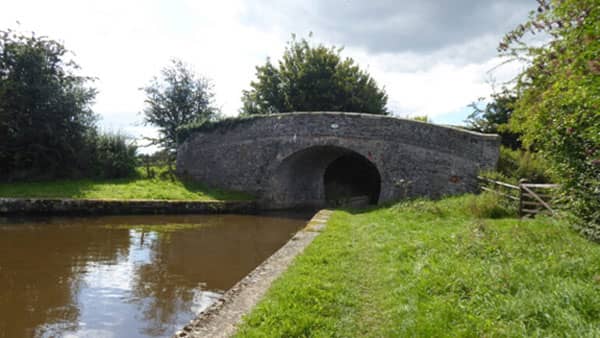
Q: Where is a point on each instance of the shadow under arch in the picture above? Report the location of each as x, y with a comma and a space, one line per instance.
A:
314, 176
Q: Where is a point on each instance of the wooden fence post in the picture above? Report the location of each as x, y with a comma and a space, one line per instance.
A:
521, 196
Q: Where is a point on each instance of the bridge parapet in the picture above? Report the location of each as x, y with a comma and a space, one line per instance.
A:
283, 158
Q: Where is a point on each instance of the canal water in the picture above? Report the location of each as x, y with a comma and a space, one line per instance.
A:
126, 276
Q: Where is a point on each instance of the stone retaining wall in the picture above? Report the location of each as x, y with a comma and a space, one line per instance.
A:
64, 206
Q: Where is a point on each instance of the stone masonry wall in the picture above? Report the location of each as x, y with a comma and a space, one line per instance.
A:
282, 158
66, 206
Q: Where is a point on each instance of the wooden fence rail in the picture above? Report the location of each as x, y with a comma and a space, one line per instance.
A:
532, 197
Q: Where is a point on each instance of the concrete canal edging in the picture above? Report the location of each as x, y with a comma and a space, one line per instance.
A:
221, 318
67, 206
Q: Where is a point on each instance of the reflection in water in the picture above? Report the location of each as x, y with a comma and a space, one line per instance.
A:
111, 277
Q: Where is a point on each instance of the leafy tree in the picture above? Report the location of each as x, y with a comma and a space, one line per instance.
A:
494, 117
558, 109
178, 98
312, 78
45, 114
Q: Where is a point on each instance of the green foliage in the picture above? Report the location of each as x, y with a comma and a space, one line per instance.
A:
151, 162
114, 156
45, 114
489, 205
499, 176
225, 123
485, 205
494, 117
523, 164
178, 98
519, 164
313, 78
47, 127
423, 118
558, 110
431, 269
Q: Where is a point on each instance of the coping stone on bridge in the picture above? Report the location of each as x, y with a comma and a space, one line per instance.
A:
282, 158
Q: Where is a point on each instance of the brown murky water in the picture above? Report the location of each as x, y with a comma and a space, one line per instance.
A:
126, 276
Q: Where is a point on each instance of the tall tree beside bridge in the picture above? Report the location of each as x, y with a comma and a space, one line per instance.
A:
313, 78
177, 98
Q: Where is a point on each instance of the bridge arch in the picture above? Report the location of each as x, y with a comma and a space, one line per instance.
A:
324, 174
351, 179
295, 159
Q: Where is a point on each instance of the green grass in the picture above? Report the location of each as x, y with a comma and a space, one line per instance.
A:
432, 269
121, 189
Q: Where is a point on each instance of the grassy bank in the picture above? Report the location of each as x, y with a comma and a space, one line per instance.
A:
434, 269
125, 189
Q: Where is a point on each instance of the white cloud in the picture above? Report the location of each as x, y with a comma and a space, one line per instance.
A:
125, 43
434, 84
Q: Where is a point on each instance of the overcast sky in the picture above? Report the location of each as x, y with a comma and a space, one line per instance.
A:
432, 56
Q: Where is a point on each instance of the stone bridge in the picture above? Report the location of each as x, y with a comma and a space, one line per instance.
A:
314, 159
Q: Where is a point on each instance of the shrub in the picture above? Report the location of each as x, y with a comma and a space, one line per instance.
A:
523, 164
489, 205
498, 176
422, 118
114, 156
